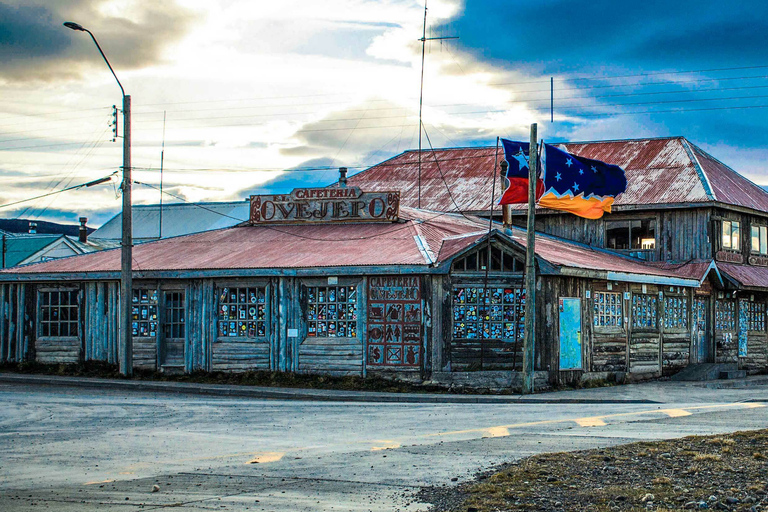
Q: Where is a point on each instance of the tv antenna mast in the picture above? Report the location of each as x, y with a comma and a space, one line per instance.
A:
424, 40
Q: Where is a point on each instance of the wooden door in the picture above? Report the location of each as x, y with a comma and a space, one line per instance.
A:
570, 334
173, 340
701, 341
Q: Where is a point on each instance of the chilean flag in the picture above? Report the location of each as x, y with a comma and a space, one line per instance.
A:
516, 155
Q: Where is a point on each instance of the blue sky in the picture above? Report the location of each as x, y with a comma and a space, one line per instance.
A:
262, 96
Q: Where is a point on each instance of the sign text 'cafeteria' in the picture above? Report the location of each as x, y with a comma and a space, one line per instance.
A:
325, 205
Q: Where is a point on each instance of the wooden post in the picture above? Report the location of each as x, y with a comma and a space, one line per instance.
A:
530, 269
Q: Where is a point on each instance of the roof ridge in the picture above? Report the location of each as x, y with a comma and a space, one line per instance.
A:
703, 178
734, 171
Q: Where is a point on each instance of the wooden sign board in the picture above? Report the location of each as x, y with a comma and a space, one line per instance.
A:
321, 205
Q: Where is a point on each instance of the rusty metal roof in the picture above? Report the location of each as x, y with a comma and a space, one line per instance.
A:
747, 276
659, 171
286, 246
421, 239
697, 269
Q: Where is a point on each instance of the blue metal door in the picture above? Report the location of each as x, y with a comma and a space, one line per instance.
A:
570, 334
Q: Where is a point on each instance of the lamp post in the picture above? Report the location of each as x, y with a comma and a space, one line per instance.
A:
125, 349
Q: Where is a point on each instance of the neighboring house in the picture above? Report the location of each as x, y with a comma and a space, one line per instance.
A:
22, 249
175, 219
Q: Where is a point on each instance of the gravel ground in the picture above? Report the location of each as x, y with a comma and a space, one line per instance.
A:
725, 472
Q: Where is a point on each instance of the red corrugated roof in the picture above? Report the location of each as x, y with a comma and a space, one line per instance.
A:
747, 275
659, 171
693, 269
287, 246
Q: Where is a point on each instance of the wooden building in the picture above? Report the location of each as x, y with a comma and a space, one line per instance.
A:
345, 282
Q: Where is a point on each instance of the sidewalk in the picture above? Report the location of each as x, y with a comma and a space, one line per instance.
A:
651, 392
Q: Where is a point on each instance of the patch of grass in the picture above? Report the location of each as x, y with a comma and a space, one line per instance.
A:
621, 478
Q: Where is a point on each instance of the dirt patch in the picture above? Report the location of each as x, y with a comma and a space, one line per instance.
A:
724, 472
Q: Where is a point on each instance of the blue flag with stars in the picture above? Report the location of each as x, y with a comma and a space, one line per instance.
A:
579, 185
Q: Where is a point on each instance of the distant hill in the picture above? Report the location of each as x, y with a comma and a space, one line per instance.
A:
43, 227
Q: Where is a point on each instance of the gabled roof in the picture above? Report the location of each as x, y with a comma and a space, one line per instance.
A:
178, 219
662, 171
21, 247
745, 276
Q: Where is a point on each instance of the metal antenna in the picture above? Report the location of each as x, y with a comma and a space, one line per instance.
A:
424, 40
162, 156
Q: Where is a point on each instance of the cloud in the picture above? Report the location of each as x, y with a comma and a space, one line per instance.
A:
34, 46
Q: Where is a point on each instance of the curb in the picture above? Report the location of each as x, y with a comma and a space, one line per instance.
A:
326, 395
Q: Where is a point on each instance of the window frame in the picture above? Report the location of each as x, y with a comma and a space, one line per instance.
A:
731, 246
517, 305
762, 232
479, 253
218, 290
652, 297
77, 307
607, 329
361, 304
138, 304
629, 221
757, 314
683, 301
732, 328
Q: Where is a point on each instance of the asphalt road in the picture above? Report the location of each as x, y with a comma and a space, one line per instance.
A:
70, 449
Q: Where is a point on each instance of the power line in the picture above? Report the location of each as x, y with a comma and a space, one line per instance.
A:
89, 184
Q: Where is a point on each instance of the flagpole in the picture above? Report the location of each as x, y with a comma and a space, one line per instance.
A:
530, 268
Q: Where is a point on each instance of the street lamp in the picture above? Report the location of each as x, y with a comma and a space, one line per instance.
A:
125, 349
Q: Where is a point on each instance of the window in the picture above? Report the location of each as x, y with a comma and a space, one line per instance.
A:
760, 240
243, 312
644, 311
174, 315
756, 316
676, 313
630, 234
144, 313
59, 313
731, 235
332, 311
607, 309
394, 321
488, 313
725, 315
501, 261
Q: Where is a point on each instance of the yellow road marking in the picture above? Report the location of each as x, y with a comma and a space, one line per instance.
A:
593, 421
265, 457
496, 432
101, 482
386, 444
676, 413
590, 422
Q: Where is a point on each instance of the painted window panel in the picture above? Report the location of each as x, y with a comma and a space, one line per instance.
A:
332, 311
644, 311
243, 312
144, 313
676, 312
394, 321
489, 313
756, 316
607, 309
725, 315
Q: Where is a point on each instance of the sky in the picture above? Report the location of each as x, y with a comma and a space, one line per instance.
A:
236, 97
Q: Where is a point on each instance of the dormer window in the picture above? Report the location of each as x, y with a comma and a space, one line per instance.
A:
760, 240
731, 235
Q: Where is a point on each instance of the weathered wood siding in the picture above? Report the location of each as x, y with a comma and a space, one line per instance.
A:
547, 345
681, 234
145, 353
14, 337
101, 319
58, 350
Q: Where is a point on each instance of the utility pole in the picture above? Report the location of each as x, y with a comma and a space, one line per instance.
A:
530, 268
125, 349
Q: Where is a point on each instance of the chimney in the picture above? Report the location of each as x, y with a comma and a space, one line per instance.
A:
32, 228
343, 177
83, 230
